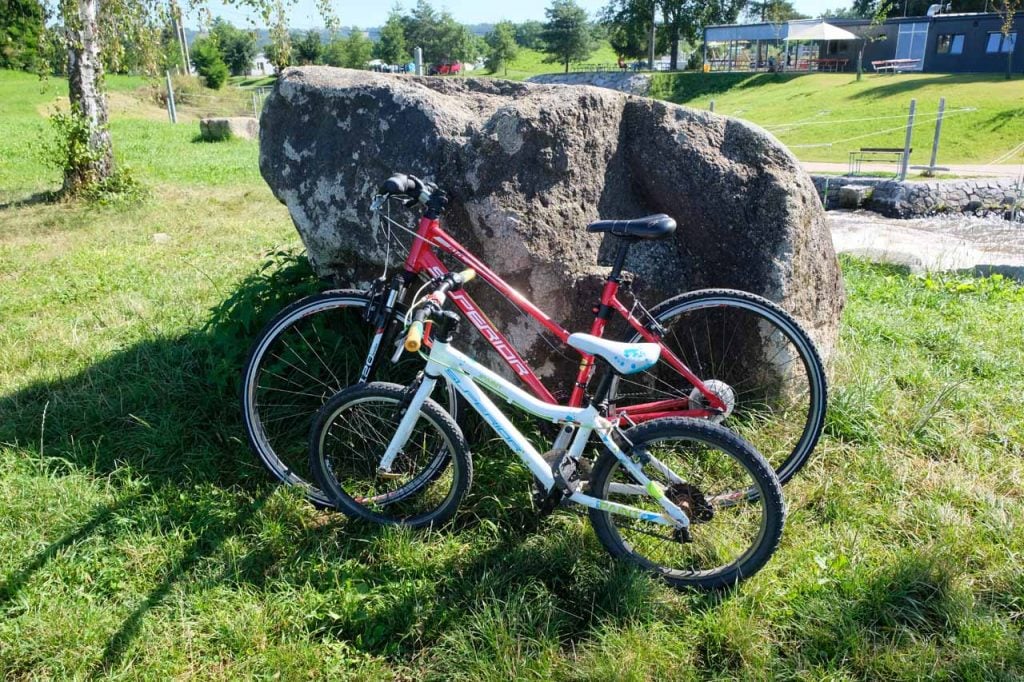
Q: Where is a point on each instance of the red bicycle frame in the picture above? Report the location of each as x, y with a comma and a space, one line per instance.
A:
423, 259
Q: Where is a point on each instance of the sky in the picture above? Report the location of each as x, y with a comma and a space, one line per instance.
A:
303, 13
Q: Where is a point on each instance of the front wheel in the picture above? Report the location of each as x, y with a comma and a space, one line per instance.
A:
311, 350
426, 481
726, 489
750, 353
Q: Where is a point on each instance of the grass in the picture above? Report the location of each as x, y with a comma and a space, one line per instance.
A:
817, 109
531, 62
139, 537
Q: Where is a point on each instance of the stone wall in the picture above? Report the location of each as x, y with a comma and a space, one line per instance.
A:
919, 199
623, 81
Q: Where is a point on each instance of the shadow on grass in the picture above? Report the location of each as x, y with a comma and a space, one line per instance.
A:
899, 86
165, 412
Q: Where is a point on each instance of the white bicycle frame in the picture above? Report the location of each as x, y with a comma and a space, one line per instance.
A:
464, 373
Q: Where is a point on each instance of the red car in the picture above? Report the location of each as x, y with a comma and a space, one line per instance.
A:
445, 69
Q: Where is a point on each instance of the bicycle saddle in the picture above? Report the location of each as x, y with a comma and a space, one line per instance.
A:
625, 358
652, 227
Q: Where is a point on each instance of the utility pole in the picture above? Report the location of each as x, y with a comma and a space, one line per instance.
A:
654, 21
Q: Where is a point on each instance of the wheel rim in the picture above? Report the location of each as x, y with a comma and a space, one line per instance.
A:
764, 364
724, 533
353, 440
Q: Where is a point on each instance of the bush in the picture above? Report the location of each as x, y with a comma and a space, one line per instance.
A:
209, 63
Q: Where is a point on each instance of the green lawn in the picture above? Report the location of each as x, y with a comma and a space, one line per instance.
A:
139, 537
531, 62
823, 109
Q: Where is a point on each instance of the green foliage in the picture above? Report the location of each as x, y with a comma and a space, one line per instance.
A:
237, 47
567, 34
529, 35
209, 64
21, 33
501, 46
773, 11
352, 52
279, 50
391, 47
307, 48
441, 37
628, 25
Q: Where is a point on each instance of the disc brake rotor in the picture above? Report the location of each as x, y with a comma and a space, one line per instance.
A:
721, 389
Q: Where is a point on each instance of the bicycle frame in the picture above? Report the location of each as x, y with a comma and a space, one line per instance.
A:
463, 373
422, 259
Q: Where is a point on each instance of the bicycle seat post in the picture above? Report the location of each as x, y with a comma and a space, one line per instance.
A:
620, 259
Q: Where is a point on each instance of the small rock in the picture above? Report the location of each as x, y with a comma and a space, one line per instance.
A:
215, 129
161, 238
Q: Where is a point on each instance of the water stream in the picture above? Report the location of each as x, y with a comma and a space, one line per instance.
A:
948, 243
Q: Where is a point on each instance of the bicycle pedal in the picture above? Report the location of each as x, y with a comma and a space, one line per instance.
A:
566, 477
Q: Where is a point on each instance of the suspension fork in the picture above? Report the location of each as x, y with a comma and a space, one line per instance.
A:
380, 316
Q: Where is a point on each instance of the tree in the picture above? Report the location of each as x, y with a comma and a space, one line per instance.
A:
358, 49
422, 30
208, 62
501, 46
21, 33
307, 48
391, 47
566, 33
628, 24
1006, 10
279, 50
773, 10
237, 47
528, 35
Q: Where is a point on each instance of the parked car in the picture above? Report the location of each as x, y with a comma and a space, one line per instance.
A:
445, 69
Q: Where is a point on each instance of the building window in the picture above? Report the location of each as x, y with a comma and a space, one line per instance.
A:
910, 44
997, 42
950, 43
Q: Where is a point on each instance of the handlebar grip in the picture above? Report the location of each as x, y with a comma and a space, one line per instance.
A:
467, 275
400, 183
414, 337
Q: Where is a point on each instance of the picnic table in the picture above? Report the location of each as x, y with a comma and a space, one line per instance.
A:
894, 65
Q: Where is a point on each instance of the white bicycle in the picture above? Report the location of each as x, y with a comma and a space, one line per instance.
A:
686, 499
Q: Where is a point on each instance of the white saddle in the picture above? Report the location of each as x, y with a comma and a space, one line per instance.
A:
625, 358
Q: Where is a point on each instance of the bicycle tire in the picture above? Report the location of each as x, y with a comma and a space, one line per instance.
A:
280, 437
351, 433
707, 452
759, 411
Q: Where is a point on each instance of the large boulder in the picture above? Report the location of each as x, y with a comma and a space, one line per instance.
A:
528, 166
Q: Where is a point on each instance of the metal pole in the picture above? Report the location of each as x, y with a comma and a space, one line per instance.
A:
907, 141
418, 58
938, 130
654, 21
171, 109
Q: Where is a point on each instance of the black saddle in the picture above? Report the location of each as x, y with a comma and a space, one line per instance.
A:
651, 227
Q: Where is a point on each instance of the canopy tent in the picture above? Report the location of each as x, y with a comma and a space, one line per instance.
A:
819, 30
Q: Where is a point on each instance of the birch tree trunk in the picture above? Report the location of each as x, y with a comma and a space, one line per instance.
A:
85, 74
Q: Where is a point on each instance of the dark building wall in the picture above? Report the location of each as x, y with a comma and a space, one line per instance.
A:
973, 59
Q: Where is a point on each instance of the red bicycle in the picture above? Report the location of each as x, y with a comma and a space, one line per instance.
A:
728, 356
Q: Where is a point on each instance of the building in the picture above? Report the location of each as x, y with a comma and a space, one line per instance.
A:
939, 43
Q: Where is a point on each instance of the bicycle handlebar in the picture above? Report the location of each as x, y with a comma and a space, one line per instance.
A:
400, 183
433, 305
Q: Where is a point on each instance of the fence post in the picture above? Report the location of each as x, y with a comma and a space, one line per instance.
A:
907, 142
255, 112
171, 109
712, 106
938, 130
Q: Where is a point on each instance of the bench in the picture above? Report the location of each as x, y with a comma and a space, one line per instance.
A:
875, 153
894, 65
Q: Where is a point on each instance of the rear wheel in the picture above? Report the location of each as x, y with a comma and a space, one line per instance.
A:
310, 351
754, 356
727, 490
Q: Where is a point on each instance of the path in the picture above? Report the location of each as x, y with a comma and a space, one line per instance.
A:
960, 170
974, 245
